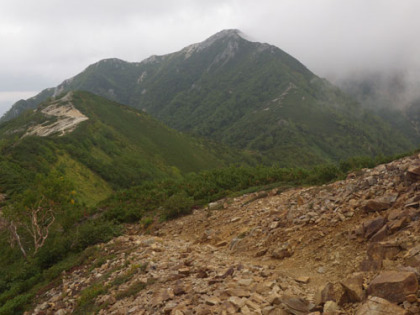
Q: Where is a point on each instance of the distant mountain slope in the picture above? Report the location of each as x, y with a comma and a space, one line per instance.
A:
98, 143
246, 94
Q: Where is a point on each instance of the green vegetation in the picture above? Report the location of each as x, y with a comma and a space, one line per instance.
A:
123, 166
116, 148
73, 233
247, 95
172, 198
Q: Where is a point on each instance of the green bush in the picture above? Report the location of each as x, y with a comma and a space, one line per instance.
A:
177, 205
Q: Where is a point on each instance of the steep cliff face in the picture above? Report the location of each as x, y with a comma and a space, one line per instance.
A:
350, 247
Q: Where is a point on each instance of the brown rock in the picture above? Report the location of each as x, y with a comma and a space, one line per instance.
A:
383, 250
202, 273
303, 279
261, 252
237, 292
330, 308
237, 301
412, 298
179, 289
275, 311
412, 258
380, 235
331, 292
396, 214
393, 285
379, 204
370, 227
274, 299
353, 288
397, 225
221, 244
371, 264
414, 170
378, 306
284, 251
212, 300
296, 305
161, 296
184, 271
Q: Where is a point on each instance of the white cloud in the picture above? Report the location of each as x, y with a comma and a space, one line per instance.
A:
7, 98
47, 41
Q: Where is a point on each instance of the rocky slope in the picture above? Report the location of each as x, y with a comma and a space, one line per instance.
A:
350, 247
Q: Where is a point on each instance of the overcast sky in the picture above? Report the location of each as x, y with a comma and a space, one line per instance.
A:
44, 42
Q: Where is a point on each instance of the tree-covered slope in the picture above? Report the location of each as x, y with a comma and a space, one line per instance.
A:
245, 94
108, 146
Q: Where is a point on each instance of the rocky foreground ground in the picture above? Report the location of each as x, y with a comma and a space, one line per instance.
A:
350, 247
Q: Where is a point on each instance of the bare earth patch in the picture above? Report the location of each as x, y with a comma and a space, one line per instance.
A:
68, 117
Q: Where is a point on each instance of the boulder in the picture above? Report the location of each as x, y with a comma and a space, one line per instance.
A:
378, 306
394, 286
370, 227
331, 292
353, 288
380, 204
380, 235
383, 250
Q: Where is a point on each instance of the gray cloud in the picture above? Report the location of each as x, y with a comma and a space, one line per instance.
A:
47, 41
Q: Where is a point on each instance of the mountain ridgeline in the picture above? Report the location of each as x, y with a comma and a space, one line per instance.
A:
244, 94
100, 146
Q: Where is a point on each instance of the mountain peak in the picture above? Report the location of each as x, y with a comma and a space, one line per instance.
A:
232, 35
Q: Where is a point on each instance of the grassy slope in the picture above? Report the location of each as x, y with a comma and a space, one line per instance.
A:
117, 147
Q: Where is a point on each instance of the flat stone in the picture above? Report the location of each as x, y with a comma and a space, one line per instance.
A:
378, 306
237, 301
376, 205
245, 282
294, 303
252, 305
238, 292
393, 286
303, 279
212, 300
